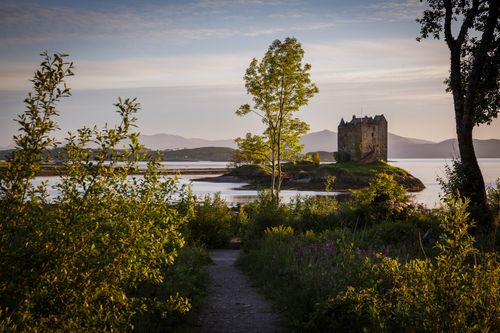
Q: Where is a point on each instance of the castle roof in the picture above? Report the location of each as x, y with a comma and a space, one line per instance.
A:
363, 120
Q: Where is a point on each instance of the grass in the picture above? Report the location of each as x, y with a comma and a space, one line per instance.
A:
351, 168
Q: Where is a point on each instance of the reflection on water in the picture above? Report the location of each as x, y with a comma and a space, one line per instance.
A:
427, 170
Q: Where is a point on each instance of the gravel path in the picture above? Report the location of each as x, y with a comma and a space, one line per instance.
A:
232, 304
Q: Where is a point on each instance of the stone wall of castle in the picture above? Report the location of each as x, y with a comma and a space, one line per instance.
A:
363, 139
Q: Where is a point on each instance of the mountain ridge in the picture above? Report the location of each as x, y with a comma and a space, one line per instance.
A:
326, 140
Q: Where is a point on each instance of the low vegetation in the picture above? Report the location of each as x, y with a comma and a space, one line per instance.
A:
376, 262
108, 253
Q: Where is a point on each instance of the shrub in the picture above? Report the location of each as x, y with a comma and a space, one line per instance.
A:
457, 291
187, 277
263, 213
211, 224
299, 271
494, 200
383, 200
316, 159
280, 232
75, 263
315, 213
455, 179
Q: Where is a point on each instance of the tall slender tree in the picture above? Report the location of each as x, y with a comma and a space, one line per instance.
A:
280, 85
471, 30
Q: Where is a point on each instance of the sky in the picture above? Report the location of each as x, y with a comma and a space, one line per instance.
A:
185, 61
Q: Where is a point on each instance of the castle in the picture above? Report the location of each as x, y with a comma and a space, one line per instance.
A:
362, 139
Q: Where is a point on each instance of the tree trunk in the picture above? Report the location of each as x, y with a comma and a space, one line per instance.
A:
273, 172
279, 164
474, 188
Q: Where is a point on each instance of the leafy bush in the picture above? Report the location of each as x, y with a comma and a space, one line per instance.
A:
316, 159
280, 232
455, 179
77, 262
188, 277
300, 270
494, 200
265, 212
315, 213
383, 200
211, 223
375, 262
457, 291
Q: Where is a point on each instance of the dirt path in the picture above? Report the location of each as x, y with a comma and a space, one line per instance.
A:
232, 304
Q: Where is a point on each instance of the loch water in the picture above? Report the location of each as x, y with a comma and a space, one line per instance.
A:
427, 170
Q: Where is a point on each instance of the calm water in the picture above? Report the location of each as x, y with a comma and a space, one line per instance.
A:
427, 170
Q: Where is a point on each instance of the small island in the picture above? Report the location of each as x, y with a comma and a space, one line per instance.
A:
361, 156
306, 175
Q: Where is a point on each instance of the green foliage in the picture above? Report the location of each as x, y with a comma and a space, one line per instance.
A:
347, 168
280, 232
362, 169
330, 183
457, 291
472, 34
477, 48
316, 159
265, 212
384, 278
455, 181
494, 200
300, 270
188, 277
211, 223
280, 85
253, 149
383, 200
316, 213
79, 262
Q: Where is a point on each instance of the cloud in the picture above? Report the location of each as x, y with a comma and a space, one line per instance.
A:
396, 60
347, 62
193, 70
205, 19
200, 20
407, 10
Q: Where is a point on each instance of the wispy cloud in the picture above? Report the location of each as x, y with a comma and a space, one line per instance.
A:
34, 22
346, 62
376, 61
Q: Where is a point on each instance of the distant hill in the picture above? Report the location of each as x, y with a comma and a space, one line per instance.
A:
444, 149
403, 147
169, 141
178, 148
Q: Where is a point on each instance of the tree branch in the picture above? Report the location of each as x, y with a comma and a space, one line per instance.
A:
481, 53
448, 36
467, 24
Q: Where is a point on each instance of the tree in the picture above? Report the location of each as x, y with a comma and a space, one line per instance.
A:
474, 79
316, 158
280, 85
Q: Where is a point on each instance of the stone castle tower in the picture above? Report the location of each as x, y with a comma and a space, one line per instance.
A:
362, 139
